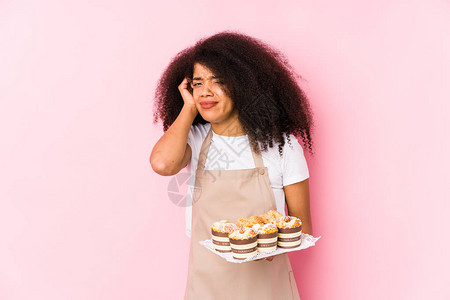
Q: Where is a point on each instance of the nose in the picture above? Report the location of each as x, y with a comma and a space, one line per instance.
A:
206, 89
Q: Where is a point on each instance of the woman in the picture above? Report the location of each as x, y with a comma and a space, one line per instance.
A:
225, 103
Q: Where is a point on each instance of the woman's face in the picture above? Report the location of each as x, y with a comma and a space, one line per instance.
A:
210, 98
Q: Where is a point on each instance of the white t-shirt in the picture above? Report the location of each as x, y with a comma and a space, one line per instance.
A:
233, 152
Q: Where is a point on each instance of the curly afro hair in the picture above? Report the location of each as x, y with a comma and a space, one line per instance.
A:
259, 80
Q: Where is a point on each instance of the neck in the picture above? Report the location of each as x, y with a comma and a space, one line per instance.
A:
232, 128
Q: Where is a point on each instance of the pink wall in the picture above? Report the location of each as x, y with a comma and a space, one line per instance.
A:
81, 209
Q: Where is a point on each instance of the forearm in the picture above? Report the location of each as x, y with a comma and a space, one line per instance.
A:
297, 200
168, 152
305, 217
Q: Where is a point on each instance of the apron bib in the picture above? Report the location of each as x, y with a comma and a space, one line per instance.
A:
229, 195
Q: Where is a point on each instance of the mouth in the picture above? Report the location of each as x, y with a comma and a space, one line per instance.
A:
208, 104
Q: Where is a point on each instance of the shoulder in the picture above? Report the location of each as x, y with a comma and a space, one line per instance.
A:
199, 130
291, 148
293, 163
292, 152
197, 134
292, 144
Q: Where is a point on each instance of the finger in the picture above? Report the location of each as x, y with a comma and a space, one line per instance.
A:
184, 82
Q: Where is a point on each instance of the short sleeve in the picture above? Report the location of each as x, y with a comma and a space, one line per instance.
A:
196, 135
294, 166
191, 139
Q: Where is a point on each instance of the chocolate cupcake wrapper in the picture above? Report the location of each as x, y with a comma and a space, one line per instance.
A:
220, 239
292, 244
267, 235
292, 239
243, 251
265, 245
268, 249
219, 234
289, 230
244, 242
243, 246
221, 246
265, 241
221, 243
289, 235
245, 255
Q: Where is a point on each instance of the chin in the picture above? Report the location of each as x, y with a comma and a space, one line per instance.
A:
211, 118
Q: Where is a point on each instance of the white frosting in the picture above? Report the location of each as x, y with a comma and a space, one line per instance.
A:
281, 222
291, 223
263, 228
220, 225
242, 233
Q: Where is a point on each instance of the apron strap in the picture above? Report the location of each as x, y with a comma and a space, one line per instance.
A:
257, 158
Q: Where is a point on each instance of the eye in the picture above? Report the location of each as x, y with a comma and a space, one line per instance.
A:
198, 83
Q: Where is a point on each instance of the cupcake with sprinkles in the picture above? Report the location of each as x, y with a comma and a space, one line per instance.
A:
220, 231
271, 216
249, 222
243, 242
289, 232
267, 236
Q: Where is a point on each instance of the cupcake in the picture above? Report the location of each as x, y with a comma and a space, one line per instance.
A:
271, 216
289, 232
249, 222
243, 242
219, 232
267, 236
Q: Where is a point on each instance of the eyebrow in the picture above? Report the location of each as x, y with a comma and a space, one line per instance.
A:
199, 78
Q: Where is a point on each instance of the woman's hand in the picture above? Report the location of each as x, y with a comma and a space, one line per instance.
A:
268, 258
188, 98
172, 153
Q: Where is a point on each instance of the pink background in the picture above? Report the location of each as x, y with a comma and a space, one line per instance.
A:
82, 214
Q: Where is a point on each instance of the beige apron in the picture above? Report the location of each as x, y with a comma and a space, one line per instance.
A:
229, 195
